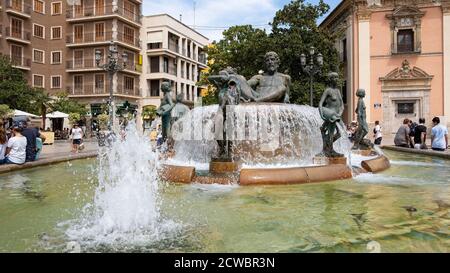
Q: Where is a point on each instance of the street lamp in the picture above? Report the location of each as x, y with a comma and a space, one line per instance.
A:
112, 66
311, 69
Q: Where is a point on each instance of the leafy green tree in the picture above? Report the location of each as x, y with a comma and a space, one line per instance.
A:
64, 104
5, 111
294, 31
42, 104
14, 90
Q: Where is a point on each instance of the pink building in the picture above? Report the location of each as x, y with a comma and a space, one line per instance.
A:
399, 52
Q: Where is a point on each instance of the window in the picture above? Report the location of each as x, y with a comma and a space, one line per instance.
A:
344, 50
39, 6
128, 35
78, 33
99, 7
406, 107
78, 58
166, 65
17, 5
131, 60
56, 8
78, 83
56, 82
129, 9
154, 64
405, 40
99, 83
154, 45
100, 32
79, 9
16, 28
56, 33
128, 83
38, 81
38, 56
154, 88
16, 55
38, 31
56, 57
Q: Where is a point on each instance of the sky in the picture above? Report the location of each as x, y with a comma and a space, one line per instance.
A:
212, 17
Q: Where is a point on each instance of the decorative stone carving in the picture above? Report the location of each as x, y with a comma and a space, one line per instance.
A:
406, 17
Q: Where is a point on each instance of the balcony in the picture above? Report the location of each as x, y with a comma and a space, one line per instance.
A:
135, 92
18, 35
174, 47
88, 89
129, 41
88, 39
20, 62
18, 8
81, 65
93, 13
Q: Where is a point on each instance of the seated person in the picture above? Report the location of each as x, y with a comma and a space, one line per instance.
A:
16, 148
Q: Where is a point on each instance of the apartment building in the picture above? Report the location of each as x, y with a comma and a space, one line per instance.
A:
54, 43
172, 52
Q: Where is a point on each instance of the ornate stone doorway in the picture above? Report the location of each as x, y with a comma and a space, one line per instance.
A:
406, 94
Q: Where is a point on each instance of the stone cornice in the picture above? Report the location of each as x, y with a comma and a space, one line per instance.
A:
445, 5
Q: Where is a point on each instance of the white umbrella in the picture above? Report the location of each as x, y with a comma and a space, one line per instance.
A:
57, 114
18, 113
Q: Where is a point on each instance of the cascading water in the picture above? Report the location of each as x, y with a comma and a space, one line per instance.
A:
266, 135
126, 204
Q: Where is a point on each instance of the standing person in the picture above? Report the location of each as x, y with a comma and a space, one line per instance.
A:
402, 138
3, 142
420, 135
16, 148
412, 132
377, 133
76, 135
31, 134
439, 136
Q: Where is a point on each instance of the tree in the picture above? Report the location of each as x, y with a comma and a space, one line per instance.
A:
64, 104
42, 103
294, 31
15, 91
5, 112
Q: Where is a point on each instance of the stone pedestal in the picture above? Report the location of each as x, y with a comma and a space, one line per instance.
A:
220, 167
323, 160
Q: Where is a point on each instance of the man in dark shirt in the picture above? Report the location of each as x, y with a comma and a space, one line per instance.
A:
31, 134
420, 135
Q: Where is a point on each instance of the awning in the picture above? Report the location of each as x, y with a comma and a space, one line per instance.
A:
57, 114
18, 113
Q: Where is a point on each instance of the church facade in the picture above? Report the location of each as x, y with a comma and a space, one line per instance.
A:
399, 52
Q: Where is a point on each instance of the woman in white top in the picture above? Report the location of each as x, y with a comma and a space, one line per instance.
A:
3, 142
377, 133
76, 136
16, 148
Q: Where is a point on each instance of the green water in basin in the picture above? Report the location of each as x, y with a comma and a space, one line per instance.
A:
37, 206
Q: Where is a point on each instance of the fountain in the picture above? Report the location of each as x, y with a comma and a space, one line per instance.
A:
255, 137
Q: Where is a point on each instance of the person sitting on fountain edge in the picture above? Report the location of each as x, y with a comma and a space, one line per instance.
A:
271, 86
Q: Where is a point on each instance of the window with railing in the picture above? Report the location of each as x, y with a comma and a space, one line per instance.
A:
99, 83
78, 56
38, 56
78, 83
129, 10
17, 5
38, 31
78, 32
39, 6
56, 33
16, 28
99, 7
100, 32
56, 57
38, 81
128, 35
79, 9
154, 88
128, 83
16, 55
154, 46
55, 82
56, 8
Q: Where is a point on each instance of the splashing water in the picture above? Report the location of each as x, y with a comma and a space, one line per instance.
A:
126, 204
262, 135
